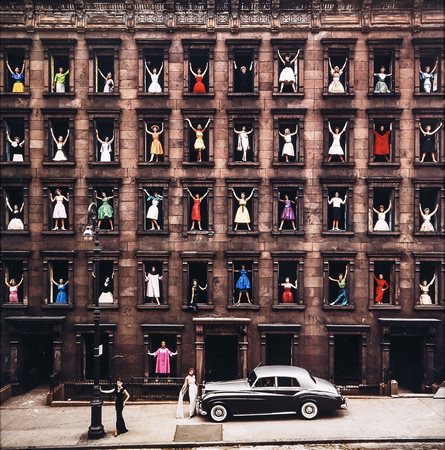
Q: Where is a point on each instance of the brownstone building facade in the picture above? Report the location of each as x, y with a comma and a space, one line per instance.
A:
361, 342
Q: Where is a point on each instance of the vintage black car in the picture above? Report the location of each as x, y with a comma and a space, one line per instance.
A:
270, 390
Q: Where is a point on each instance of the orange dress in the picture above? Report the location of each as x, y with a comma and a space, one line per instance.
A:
156, 146
379, 292
199, 87
196, 210
381, 143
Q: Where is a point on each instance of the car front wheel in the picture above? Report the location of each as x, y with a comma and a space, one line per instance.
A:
219, 413
309, 410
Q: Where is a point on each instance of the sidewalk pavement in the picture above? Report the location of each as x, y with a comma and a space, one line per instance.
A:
374, 419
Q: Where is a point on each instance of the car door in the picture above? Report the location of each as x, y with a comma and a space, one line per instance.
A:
287, 388
263, 396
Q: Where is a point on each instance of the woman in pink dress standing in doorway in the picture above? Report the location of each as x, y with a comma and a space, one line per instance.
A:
162, 355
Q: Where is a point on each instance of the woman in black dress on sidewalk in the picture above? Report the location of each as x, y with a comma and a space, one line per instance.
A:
122, 397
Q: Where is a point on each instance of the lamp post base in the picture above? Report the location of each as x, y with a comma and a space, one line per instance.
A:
96, 429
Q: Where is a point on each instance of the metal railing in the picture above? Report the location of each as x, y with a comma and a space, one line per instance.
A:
54, 380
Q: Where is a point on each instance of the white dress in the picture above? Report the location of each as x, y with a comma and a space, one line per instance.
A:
427, 225
381, 224
59, 211
16, 222
59, 156
109, 86
155, 87
243, 141
287, 75
427, 77
288, 147
193, 392
336, 87
153, 211
336, 148
106, 296
152, 280
425, 298
105, 152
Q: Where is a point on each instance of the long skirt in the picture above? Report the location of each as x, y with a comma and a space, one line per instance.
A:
193, 392
120, 422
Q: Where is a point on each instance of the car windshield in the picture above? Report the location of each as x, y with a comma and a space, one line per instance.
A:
252, 378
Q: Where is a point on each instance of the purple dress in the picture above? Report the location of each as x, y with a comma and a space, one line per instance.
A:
288, 211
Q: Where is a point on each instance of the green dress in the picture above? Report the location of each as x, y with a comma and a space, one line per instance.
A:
105, 210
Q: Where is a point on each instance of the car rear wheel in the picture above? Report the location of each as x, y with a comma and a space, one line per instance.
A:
219, 413
309, 410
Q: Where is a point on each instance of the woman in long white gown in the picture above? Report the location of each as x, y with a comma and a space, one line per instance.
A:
106, 296
106, 149
243, 141
336, 86
336, 149
425, 298
152, 279
382, 224
60, 143
426, 216
154, 87
190, 384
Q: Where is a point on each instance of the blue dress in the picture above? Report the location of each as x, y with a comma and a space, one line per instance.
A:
243, 283
61, 296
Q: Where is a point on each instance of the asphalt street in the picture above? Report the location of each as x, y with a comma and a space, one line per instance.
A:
378, 422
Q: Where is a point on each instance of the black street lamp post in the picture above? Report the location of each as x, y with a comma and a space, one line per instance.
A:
96, 429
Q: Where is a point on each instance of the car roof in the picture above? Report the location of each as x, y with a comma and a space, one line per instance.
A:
283, 371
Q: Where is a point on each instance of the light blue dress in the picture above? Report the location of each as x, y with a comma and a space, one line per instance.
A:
243, 283
61, 296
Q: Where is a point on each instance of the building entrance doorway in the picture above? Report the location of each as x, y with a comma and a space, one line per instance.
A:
278, 349
221, 357
406, 362
38, 360
347, 359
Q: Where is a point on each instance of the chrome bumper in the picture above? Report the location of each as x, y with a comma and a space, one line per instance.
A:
344, 405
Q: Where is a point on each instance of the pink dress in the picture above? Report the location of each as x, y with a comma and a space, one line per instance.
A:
163, 360
13, 296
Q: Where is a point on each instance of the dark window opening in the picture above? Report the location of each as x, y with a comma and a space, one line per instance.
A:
243, 143
290, 149
383, 199
288, 215
106, 223
149, 292
249, 207
347, 359
104, 151
104, 369
382, 128
60, 150
278, 349
406, 362
193, 152
151, 151
429, 272
38, 360
335, 269
242, 282
243, 73
430, 146
337, 126
104, 281
199, 60
59, 61
198, 272
385, 268
204, 210
105, 64
221, 358
384, 59
429, 198
338, 58
153, 59
58, 272
15, 58
153, 208
155, 343
13, 214
430, 59
338, 214
15, 132
13, 270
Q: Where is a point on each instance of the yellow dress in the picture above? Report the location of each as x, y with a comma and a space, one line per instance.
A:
199, 143
242, 213
18, 87
156, 146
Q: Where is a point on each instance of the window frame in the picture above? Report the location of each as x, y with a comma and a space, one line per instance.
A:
15, 183
164, 184
328, 183
429, 114
386, 114
427, 44
394, 259
15, 113
157, 115
58, 46
161, 258
201, 257
238, 257
389, 45
298, 259
49, 257
338, 257
6, 257
438, 259
439, 186
49, 185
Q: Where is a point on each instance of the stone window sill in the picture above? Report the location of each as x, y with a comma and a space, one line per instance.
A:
114, 306
385, 307
243, 306
288, 306
162, 306
327, 306
57, 306
70, 94
58, 164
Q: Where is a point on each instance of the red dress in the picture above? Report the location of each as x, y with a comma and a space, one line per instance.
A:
287, 296
381, 143
196, 210
199, 87
379, 292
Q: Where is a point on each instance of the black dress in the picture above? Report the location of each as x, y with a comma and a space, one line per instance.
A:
119, 405
244, 81
429, 144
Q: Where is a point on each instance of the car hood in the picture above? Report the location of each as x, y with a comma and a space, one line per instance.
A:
231, 385
325, 386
